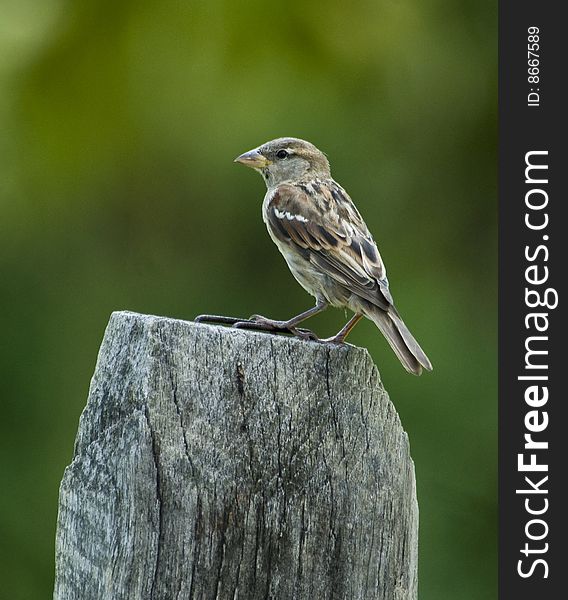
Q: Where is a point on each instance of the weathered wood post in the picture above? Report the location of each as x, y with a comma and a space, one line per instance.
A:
213, 463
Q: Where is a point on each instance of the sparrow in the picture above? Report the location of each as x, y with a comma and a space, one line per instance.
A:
327, 246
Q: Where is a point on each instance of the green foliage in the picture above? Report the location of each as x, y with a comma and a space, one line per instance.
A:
119, 124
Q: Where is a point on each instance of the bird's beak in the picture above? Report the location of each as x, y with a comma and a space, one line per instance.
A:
253, 159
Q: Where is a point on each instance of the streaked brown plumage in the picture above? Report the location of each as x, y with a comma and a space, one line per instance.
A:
326, 244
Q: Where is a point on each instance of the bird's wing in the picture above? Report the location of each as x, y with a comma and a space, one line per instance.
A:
320, 221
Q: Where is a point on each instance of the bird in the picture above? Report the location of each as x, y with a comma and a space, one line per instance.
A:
327, 246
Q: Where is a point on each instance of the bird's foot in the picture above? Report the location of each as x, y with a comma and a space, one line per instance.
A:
267, 323
305, 334
221, 320
260, 323
338, 340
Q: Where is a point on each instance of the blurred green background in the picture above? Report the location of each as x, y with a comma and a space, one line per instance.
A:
119, 122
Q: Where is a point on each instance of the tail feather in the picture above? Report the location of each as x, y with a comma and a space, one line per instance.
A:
406, 348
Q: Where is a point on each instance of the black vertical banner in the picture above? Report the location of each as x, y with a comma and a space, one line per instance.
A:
533, 261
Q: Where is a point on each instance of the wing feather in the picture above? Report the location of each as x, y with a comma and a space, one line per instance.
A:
324, 225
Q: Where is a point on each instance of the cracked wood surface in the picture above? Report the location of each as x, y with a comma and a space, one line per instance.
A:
213, 463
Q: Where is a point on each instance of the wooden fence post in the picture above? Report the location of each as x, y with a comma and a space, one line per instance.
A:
213, 463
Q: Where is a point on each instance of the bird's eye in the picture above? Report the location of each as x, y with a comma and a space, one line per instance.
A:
282, 154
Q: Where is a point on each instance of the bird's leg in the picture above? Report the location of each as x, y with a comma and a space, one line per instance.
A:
340, 337
264, 324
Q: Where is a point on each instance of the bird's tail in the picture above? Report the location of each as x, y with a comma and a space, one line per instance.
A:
407, 349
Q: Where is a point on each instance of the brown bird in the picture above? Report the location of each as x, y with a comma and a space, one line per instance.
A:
327, 246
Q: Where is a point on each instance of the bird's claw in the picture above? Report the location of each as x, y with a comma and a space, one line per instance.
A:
336, 340
279, 326
221, 320
306, 334
259, 323
267, 323
263, 324
252, 324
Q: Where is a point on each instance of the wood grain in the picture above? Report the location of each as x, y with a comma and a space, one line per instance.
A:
213, 463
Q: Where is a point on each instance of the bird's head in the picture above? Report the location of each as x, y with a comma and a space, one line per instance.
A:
286, 160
